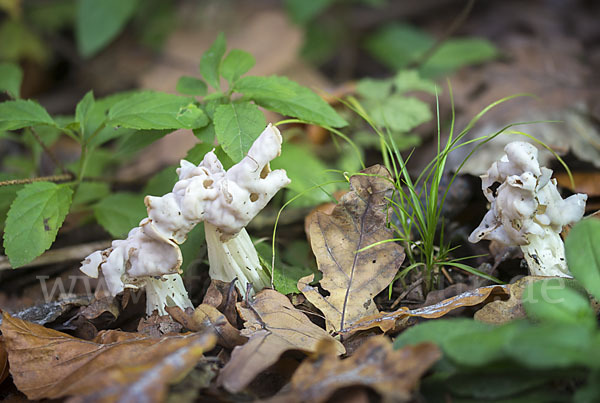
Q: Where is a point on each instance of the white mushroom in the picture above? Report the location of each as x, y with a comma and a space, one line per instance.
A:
225, 200
526, 209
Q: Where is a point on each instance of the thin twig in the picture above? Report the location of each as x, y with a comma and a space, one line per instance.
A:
54, 178
406, 292
460, 19
49, 152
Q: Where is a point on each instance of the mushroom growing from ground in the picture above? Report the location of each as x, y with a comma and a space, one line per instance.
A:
225, 201
527, 210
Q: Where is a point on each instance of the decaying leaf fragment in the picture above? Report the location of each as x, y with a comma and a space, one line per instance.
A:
273, 326
353, 278
46, 363
393, 374
387, 321
207, 317
499, 312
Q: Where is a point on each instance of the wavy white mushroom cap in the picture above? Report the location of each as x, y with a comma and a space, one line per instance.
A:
226, 200
526, 201
231, 199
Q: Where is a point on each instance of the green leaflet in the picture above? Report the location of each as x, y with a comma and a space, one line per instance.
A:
582, 249
237, 126
398, 112
99, 22
191, 86
284, 96
306, 171
236, 64
210, 63
20, 113
120, 212
34, 219
157, 110
553, 300
11, 77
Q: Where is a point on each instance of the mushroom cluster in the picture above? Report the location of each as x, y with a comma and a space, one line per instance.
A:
226, 201
527, 210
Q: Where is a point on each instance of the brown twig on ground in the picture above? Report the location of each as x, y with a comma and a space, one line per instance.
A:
53, 178
406, 292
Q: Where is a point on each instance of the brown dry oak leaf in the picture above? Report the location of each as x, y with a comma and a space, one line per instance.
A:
393, 374
207, 317
353, 278
504, 311
274, 326
387, 321
45, 363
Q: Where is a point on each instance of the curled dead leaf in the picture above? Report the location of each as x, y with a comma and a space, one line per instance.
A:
393, 374
274, 326
499, 312
45, 363
386, 321
207, 317
353, 278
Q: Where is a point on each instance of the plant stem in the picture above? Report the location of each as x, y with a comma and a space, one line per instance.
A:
54, 178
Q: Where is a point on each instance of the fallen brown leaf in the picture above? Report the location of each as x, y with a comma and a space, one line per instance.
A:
386, 321
45, 363
391, 373
499, 312
157, 326
207, 317
274, 326
353, 278
223, 296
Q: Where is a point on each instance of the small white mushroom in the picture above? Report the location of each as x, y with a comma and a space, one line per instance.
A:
526, 209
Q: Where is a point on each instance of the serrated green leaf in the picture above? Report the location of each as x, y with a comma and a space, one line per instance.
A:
285, 277
399, 113
438, 331
289, 98
156, 110
582, 249
552, 300
210, 63
302, 11
237, 125
7, 195
305, 171
99, 22
21, 113
11, 77
135, 140
456, 53
19, 42
162, 182
398, 45
411, 80
372, 88
120, 212
34, 219
191, 86
236, 64
83, 110
192, 117
89, 192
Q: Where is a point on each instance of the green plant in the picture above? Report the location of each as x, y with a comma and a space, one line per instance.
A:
230, 116
551, 355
